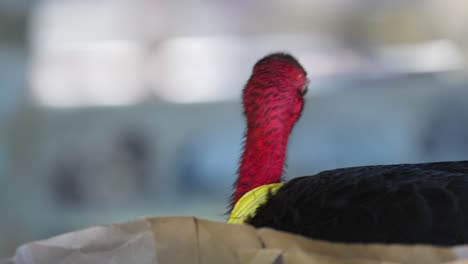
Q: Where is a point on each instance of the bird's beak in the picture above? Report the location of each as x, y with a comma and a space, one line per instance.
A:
305, 88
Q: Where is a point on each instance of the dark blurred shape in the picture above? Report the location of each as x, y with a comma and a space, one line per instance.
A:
66, 182
101, 175
447, 130
135, 147
13, 21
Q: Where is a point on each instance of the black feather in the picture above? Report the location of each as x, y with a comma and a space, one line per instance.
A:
408, 204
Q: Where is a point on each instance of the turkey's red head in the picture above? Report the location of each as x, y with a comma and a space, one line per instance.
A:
273, 100
275, 90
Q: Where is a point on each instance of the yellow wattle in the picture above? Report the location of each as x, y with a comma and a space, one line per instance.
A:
249, 202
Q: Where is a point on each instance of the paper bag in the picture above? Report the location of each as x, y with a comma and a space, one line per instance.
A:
192, 240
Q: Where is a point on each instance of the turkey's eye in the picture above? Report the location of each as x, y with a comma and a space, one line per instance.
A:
305, 88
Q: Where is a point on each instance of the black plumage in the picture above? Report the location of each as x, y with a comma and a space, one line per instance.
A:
408, 204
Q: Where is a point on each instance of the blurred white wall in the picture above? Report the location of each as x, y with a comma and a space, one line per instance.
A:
125, 52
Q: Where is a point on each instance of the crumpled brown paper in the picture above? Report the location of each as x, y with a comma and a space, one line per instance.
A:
193, 240
117, 243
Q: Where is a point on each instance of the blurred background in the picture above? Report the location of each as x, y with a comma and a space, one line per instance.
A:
116, 109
